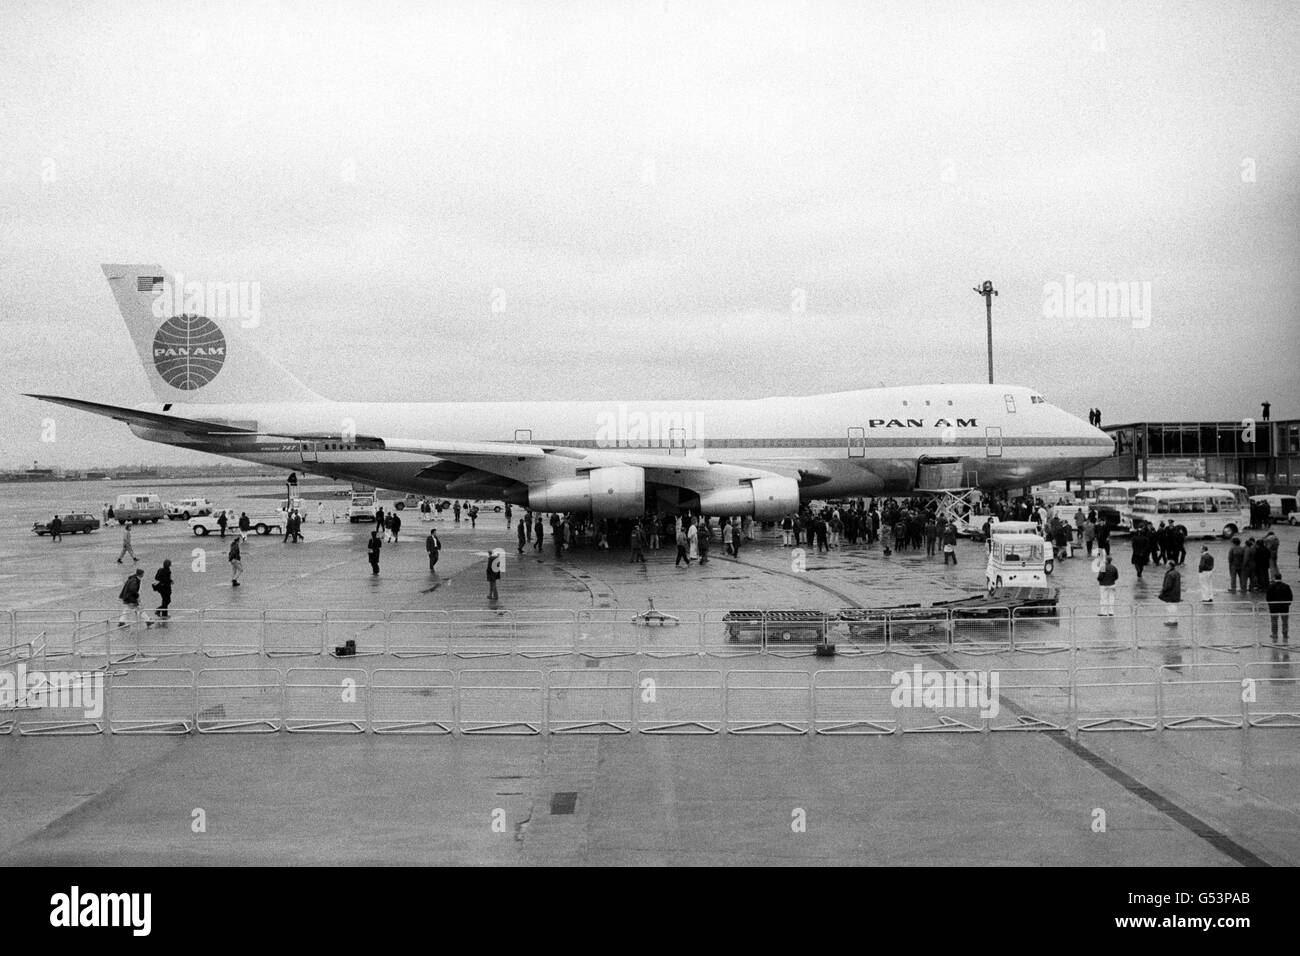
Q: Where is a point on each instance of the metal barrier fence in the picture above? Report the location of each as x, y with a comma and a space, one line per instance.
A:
659, 700
1210, 634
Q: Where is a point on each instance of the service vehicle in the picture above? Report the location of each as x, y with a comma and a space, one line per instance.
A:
1200, 512
1115, 498
1280, 507
138, 508
187, 508
77, 522
362, 507
260, 523
1016, 561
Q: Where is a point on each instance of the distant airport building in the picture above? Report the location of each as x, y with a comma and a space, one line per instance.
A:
1264, 458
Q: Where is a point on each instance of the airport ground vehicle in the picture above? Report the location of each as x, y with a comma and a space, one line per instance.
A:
187, 508
1200, 512
260, 523
362, 508
1280, 507
77, 522
410, 502
1026, 527
138, 508
1016, 561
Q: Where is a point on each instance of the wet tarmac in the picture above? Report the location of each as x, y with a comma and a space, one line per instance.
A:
737, 751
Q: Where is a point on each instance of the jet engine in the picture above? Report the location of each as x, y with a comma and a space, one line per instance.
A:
765, 498
614, 492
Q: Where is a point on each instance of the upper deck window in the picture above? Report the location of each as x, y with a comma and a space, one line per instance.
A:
1011, 402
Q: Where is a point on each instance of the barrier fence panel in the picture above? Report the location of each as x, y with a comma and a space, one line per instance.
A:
1032, 699
368, 630
293, 633
230, 632
918, 632
65, 702
933, 700
589, 701
540, 632
736, 633
329, 700
853, 702
151, 700
794, 633
858, 631
412, 701
482, 633
501, 702
1100, 637
1230, 628
176, 635
419, 633
768, 702
105, 637
1273, 693
1201, 697
671, 701
58, 627
981, 631
239, 700
1042, 630
604, 632
664, 634
1163, 627
1116, 697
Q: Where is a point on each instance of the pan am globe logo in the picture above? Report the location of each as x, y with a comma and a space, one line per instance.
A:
188, 351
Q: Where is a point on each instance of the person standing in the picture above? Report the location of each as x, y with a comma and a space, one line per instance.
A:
235, 557
1141, 550
222, 521
1205, 573
320, 513
1089, 535
373, 547
681, 549
397, 525
638, 555
509, 515
1278, 596
1261, 576
787, 528
433, 545
1106, 580
538, 528
56, 529
380, 523
1171, 592
1236, 566
704, 541
949, 544
728, 538
495, 560
244, 525
473, 517
104, 515
523, 534
162, 583
528, 523
692, 541
1103, 536
654, 532
931, 536
126, 544
1271, 542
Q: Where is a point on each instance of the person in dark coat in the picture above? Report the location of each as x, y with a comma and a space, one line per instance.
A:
162, 583
222, 521
56, 529
495, 560
373, 547
1141, 550
539, 528
1236, 566
523, 535
1278, 596
1171, 592
433, 545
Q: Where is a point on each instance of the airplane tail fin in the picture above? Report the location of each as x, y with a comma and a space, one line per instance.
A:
188, 337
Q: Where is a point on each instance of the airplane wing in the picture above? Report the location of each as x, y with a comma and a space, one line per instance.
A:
132, 416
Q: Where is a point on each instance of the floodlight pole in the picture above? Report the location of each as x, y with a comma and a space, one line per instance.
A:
988, 292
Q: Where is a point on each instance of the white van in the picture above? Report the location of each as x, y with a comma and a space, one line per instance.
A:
362, 508
1280, 507
1016, 561
137, 509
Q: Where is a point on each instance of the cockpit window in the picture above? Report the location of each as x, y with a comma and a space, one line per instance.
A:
1037, 400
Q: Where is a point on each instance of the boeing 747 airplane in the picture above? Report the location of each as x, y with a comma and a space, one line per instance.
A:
217, 393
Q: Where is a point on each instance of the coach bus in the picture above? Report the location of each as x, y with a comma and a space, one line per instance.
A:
1201, 512
1115, 498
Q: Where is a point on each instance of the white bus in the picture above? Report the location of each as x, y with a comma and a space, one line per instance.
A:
1202, 512
1115, 498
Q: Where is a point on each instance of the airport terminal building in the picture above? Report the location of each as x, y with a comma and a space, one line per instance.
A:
1265, 462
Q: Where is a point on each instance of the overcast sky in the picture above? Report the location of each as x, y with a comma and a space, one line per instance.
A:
652, 191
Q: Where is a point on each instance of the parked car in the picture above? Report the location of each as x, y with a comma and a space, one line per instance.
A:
188, 508
262, 524
77, 522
